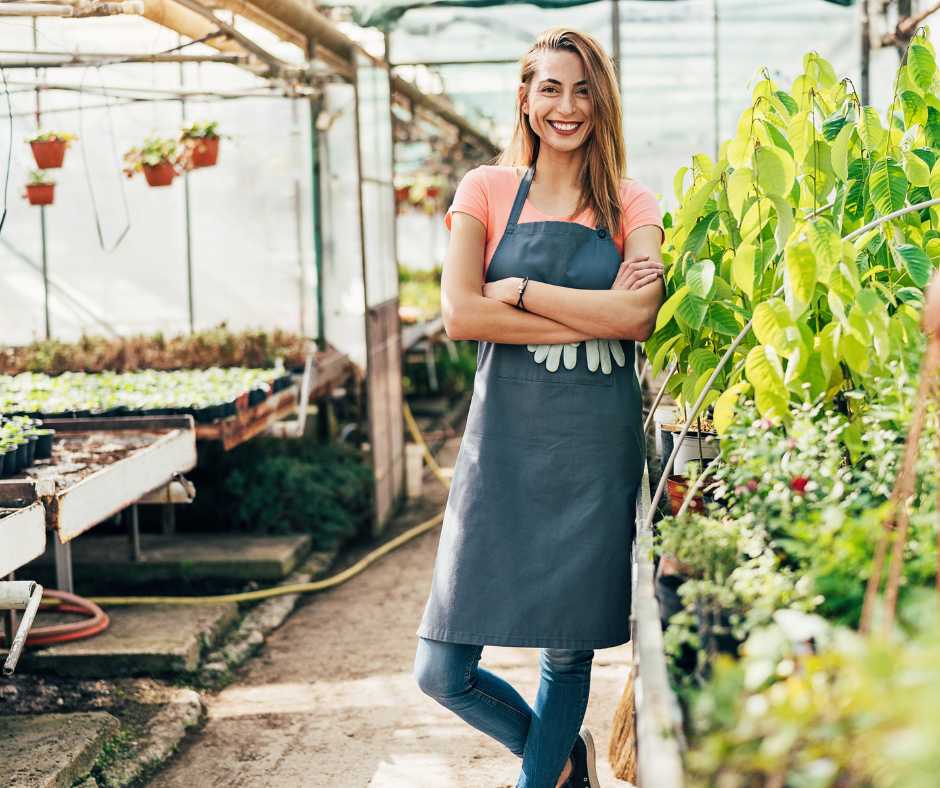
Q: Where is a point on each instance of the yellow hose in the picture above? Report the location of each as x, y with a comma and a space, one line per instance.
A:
304, 588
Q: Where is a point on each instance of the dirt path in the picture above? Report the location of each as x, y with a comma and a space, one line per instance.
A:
330, 700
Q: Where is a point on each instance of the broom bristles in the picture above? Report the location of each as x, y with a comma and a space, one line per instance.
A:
621, 751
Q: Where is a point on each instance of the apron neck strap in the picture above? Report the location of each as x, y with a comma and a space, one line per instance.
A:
521, 195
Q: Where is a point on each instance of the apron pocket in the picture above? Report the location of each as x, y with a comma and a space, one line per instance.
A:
516, 362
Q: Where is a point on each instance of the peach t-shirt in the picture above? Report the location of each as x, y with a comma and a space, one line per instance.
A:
487, 194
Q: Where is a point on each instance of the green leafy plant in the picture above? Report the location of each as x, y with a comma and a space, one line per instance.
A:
759, 236
52, 136
154, 151
39, 178
200, 130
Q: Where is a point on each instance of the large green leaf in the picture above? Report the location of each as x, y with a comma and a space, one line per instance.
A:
826, 247
755, 219
838, 93
778, 138
691, 310
702, 360
765, 373
921, 66
693, 210
699, 235
935, 180
659, 359
669, 308
784, 220
742, 269
741, 151
870, 131
700, 278
800, 134
840, 152
678, 182
914, 107
771, 317
801, 268
721, 320
888, 186
738, 186
915, 261
917, 171
775, 170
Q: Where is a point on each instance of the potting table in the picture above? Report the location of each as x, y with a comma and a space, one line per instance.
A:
101, 466
330, 370
657, 714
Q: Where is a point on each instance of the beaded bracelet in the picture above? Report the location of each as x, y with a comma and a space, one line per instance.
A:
522, 287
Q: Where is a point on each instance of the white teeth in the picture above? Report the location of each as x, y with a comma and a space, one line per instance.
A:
564, 126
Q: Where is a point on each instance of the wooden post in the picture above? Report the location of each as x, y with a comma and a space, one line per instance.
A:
866, 49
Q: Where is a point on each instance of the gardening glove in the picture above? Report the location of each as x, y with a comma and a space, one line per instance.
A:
600, 350
551, 355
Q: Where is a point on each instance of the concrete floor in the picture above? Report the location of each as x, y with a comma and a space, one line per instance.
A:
330, 700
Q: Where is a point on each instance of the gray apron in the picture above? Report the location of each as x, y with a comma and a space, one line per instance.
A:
535, 548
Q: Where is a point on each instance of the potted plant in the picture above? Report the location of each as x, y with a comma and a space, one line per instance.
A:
40, 190
158, 158
201, 143
49, 148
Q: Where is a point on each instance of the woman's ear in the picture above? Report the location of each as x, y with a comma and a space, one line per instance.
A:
524, 99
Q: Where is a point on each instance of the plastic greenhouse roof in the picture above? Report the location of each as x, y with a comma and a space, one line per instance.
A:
385, 13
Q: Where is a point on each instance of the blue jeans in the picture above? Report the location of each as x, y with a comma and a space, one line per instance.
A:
543, 736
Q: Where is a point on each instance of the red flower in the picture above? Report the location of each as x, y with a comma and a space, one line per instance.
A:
752, 485
798, 484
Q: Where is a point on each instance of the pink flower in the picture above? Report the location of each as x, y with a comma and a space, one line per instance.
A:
798, 484
791, 443
767, 424
752, 485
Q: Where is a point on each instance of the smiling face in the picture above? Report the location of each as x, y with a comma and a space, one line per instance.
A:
558, 101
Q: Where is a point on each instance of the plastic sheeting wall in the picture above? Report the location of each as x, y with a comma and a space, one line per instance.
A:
251, 216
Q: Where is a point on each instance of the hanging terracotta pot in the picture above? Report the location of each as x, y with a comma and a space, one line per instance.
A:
204, 151
433, 192
40, 194
402, 194
49, 155
161, 174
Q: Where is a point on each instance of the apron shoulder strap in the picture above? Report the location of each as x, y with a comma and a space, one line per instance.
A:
521, 195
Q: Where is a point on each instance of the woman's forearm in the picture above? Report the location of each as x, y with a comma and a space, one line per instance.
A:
487, 320
611, 314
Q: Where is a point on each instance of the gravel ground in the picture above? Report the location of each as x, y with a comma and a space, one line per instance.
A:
330, 699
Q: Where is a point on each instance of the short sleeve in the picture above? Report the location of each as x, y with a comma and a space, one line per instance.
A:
471, 198
640, 209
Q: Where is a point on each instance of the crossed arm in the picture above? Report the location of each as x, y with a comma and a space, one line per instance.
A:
554, 314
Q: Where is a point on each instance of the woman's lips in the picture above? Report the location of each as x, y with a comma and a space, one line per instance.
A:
565, 129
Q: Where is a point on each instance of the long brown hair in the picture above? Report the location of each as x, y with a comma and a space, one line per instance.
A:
605, 157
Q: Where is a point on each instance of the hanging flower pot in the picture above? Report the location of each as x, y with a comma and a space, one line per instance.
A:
40, 190
157, 158
49, 148
200, 142
433, 192
161, 174
402, 194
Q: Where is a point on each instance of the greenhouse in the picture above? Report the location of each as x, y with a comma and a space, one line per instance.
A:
444, 393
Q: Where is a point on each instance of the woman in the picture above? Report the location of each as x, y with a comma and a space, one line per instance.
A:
535, 548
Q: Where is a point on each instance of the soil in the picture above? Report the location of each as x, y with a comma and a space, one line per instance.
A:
330, 698
74, 457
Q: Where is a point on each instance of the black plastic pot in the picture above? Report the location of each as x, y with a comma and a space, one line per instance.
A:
22, 456
120, 410
281, 383
157, 412
256, 397
209, 413
65, 414
44, 444
3, 458
229, 409
31, 441
9, 461
723, 643
666, 591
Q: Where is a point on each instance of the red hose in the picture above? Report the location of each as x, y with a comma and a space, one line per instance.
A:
96, 622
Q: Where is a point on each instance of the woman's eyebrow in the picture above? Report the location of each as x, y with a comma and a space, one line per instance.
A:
557, 82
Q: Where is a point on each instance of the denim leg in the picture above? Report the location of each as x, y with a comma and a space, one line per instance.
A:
559, 710
449, 673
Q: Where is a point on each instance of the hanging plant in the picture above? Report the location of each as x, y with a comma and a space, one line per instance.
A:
158, 158
49, 148
40, 190
200, 142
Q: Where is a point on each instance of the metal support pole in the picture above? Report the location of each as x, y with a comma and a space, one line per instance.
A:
63, 564
316, 104
615, 35
9, 619
298, 217
42, 212
189, 235
133, 532
866, 49
717, 81
168, 522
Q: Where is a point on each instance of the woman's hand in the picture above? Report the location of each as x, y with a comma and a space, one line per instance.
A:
505, 290
637, 272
